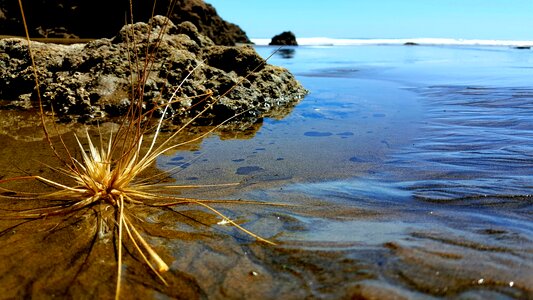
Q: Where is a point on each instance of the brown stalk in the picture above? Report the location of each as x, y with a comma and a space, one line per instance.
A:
110, 173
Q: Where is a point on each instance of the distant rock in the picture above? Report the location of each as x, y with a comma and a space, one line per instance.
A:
285, 38
103, 18
523, 47
92, 81
410, 44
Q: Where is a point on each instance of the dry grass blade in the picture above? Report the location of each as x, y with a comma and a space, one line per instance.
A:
111, 173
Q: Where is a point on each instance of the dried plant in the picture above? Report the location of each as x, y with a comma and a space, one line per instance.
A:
110, 171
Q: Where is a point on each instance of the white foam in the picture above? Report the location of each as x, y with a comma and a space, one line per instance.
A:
324, 41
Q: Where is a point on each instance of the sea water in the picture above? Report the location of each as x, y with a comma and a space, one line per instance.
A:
439, 121
435, 141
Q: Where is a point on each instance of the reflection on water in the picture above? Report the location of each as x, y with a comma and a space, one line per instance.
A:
359, 233
412, 164
286, 53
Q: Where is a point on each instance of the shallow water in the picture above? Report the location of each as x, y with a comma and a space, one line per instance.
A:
405, 174
420, 155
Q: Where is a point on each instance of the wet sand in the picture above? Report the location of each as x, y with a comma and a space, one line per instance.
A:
331, 245
344, 229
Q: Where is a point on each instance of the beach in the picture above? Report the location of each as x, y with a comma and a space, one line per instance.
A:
405, 173
410, 165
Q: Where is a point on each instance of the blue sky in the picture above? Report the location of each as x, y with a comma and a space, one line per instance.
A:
467, 19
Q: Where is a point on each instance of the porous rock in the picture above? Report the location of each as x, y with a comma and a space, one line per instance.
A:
92, 81
103, 18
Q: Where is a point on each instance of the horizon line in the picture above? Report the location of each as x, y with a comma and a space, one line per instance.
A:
326, 41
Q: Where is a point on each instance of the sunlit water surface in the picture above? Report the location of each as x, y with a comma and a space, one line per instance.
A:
436, 141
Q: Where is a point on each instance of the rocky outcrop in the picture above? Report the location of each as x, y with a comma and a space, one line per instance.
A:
93, 81
103, 18
286, 38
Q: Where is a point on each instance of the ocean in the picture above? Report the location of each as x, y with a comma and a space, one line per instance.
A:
411, 165
325, 41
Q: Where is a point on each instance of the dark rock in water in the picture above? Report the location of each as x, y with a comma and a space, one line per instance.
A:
103, 18
92, 81
410, 44
523, 47
285, 38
